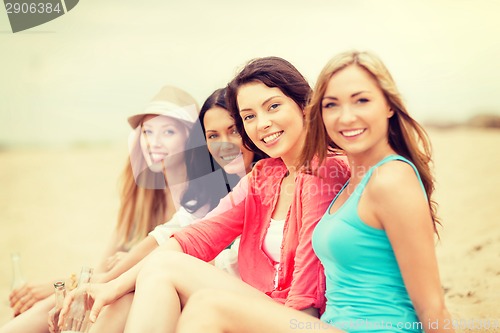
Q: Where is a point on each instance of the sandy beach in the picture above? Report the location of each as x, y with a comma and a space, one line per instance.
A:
468, 191
59, 206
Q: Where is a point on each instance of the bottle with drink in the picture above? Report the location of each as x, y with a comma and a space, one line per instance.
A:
60, 293
77, 319
17, 275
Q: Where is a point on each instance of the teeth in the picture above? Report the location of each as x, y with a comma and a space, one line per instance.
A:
272, 137
353, 132
229, 157
157, 156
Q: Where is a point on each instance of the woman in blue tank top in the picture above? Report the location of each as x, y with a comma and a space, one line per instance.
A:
376, 240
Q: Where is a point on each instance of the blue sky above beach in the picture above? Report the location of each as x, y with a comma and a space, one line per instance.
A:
75, 79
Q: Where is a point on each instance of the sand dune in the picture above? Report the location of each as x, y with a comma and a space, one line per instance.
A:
58, 207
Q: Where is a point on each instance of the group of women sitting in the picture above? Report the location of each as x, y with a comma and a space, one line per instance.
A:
288, 209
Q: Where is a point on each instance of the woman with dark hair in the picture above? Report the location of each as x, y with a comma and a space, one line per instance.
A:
215, 167
274, 209
211, 172
225, 152
376, 239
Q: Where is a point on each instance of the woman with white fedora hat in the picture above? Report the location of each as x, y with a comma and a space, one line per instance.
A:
147, 199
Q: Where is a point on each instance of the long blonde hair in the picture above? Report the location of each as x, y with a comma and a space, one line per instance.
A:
406, 136
141, 208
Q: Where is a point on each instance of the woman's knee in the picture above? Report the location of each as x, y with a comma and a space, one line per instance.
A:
161, 266
205, 298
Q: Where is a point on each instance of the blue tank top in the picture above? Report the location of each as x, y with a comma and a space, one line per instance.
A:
364, 288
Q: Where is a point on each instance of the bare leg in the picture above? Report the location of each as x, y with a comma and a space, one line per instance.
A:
113, 317
211, 311
33, 320
165, 283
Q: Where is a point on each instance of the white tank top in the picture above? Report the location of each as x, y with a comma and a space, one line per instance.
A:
273, 240
272, 244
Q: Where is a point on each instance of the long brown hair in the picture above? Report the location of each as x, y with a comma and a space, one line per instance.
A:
406, 136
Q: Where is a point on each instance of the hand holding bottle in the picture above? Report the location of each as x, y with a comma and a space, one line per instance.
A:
52, 320
60, 293
97, 296
74, 316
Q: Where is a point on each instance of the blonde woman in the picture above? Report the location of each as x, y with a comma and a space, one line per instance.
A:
152, 184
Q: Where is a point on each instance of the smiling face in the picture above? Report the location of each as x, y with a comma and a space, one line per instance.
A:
356, 113
224, 142
272, 120
162, 142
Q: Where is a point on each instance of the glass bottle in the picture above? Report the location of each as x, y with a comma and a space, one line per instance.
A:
60, 293
17, 275
77, 319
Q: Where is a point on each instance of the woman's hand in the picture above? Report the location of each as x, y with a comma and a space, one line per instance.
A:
53, 319
24, 297
98, 278
96, 296
114, 259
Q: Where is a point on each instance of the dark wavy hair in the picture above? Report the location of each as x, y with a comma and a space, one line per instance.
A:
200, 163
274, 72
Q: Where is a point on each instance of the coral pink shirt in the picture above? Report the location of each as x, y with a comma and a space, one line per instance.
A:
247, 212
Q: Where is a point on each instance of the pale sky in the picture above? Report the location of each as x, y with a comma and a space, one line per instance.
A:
75, 79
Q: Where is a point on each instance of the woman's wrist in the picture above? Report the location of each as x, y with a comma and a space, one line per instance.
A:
99, 278
119, 286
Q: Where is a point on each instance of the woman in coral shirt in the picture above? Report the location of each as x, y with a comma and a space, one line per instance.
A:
274, 209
